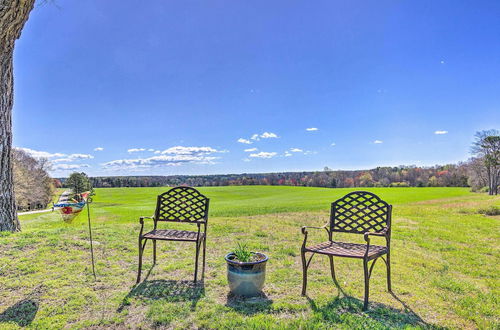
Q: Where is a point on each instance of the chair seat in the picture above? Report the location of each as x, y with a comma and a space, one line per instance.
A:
172, 235
349, 250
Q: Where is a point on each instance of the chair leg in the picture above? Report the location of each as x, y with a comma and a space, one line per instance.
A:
389, 288
367, 284
332, 270
154, 252
196, 261
304, 273
140, 262
204, 261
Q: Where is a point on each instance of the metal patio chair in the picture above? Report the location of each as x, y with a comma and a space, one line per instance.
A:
359, 212
180, 205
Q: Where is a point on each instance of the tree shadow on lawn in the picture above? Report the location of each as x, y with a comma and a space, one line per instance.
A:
23, 312
335, 310
169, 290
250, 305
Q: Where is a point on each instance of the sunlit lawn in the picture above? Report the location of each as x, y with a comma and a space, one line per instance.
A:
445, 265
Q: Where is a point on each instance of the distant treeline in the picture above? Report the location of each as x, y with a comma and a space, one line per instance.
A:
401, 176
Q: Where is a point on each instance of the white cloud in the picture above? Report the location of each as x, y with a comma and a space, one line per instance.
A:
80, 156
66, 167
73, 157
257, 137
60, 157
151, 150
179, 150
41, 154
135, 150
246, 160
61, 160
268, 135
378, 142
99, 149
173, 156
245, 141
158, 161
290, 152
263, 154
312, 129
333, 144
440, 132
250, 149
157, 152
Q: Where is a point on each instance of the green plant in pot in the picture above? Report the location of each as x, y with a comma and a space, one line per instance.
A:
246, 271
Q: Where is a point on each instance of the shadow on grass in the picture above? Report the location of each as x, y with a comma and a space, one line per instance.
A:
23, 312
347, 309
168, 290
250, 305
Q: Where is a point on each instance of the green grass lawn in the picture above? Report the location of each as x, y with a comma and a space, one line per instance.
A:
445, 258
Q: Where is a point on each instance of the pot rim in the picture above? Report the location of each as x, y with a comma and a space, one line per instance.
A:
239, 263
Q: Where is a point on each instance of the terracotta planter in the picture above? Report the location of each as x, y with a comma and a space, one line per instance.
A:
246, 278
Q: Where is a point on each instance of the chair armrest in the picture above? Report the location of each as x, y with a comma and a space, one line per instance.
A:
304, 228
141, 219
367, 235
304, 232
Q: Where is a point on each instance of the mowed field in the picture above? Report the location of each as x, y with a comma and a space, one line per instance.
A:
445, 264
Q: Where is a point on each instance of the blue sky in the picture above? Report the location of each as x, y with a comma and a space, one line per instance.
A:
203, 87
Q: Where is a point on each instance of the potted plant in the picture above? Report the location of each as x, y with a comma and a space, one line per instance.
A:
246, 271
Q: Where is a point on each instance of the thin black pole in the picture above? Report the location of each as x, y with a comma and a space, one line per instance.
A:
90, 235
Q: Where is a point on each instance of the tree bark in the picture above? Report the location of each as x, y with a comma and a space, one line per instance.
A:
13, 16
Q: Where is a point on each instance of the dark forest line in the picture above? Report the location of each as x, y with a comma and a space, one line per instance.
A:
401, 176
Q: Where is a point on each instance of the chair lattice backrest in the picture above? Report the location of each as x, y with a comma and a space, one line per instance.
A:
360, 212
182, 204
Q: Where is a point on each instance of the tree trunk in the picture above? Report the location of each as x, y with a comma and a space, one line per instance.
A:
496, 177
13, 15
490, 182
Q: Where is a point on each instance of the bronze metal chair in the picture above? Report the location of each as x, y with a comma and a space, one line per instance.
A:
359, 212
181, 205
